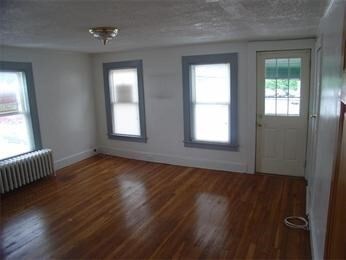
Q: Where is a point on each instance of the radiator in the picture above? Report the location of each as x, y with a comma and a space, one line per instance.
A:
20, 170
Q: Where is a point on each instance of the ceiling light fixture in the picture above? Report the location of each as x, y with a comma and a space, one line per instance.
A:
104, 34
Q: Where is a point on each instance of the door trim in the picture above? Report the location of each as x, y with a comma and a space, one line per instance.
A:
314, 109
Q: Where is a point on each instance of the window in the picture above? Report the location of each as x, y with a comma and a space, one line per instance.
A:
19, 126
282, 87
125, 100
210, 101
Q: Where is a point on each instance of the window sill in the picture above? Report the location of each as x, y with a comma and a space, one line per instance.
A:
211, 146
128, 138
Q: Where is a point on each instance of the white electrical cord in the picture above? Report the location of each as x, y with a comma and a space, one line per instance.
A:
288, 222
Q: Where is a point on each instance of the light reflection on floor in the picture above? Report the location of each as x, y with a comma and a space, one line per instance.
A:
211, 225
135, 203
31, 224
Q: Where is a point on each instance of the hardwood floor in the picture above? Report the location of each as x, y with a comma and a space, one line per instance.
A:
110, 207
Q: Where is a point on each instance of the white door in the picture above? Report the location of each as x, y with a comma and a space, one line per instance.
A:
282, 111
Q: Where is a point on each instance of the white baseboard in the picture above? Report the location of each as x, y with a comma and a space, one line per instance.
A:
175, 160
68, 160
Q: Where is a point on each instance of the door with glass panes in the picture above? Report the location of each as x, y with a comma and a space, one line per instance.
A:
282, 111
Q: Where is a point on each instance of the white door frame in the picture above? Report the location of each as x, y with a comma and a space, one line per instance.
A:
314, 111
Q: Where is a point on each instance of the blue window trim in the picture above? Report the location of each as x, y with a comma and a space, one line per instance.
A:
187, 61
26, 68
107, 67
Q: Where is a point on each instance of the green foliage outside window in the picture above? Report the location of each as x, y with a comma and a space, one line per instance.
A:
282, 84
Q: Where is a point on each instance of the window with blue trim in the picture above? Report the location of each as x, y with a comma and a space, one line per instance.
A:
19, 126
124, 93
210, 101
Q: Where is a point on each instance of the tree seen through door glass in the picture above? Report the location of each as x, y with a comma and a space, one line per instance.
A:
282, 87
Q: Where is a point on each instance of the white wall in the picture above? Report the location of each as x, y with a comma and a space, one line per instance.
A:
64, 99
164, 109
164, 105
331, 34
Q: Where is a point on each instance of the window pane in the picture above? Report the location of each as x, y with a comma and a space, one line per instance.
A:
124, 99
270, 106
295, 67
270, 87
294, 106
124, 85
15, 127
126, 119
15, 136
270, 69
282, 83
12, 92
211, 123
282, 106
211, 83
282, 88
294, 88
282, 68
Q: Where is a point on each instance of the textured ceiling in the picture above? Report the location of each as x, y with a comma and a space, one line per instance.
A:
63, 24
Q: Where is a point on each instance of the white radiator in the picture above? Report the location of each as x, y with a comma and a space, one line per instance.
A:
20, 170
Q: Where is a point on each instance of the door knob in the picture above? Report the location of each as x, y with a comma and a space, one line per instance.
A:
259, 125
313, 116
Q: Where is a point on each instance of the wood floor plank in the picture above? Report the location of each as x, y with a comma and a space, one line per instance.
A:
111, 207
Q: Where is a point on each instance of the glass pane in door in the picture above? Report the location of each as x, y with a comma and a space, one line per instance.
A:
282, 87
